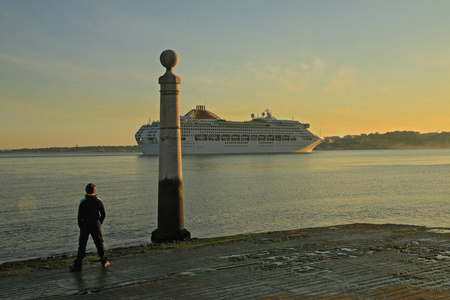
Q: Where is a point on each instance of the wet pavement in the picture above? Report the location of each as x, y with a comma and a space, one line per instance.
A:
360, 261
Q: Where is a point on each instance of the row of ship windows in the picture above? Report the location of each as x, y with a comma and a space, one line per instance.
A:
246, 146
226, 137
238, 125
185, 132
245, 138
236, 145
235, 137
214, 130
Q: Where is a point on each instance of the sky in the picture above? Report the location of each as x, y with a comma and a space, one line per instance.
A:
86, 72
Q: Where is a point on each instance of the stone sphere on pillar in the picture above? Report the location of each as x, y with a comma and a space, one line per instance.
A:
169, 59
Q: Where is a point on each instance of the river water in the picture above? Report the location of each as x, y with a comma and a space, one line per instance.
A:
223, 194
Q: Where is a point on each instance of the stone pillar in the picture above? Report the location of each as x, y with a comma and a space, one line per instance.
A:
170, 192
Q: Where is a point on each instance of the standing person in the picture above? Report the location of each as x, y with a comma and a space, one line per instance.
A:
91, 214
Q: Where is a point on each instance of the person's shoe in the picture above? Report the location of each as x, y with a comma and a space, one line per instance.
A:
74, 268
106, 264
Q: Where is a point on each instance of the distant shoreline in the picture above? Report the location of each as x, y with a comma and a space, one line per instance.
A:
100, 149
388, 140
372, 141
96, 149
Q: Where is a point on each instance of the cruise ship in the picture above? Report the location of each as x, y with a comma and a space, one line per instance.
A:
203, 132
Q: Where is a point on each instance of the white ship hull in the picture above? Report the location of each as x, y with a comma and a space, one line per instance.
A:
216, 136
241, 148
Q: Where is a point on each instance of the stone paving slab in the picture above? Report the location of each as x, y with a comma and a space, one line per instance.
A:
360, 261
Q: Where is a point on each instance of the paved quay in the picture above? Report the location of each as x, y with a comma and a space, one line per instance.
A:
359, 261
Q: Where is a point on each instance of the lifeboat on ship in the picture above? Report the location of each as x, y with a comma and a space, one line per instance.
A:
200, 137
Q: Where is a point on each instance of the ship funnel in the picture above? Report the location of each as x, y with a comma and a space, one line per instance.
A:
201, 107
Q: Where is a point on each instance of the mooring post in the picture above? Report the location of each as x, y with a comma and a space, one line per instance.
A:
170, 191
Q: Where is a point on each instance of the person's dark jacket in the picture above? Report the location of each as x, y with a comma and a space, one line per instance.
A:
91, 212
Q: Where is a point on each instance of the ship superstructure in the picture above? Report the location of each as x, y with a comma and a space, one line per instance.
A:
203, 132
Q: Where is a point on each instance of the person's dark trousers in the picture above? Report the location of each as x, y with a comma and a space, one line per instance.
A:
96, 233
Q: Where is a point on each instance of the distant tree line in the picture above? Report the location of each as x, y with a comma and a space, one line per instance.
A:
77, 149
389, 140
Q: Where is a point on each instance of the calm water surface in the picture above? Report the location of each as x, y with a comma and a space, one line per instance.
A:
223, 195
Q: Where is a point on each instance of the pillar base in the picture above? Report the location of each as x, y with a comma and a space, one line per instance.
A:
179, 235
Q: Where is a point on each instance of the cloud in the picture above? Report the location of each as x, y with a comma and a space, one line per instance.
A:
52, 69
62, 69
343, 82
442, 61
385, 90
27, 64
283, 78
30, 108
40, 110
316, 66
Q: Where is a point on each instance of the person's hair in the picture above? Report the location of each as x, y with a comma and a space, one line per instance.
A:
90, 188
